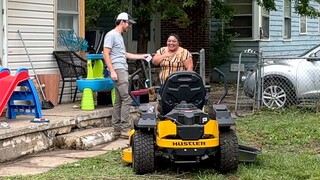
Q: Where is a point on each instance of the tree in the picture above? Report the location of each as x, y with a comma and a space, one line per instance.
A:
143, 11
302, 7
94, 9
221, 44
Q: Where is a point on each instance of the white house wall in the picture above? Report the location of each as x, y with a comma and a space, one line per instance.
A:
35, 20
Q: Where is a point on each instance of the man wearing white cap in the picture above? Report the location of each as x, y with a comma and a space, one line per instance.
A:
115, 57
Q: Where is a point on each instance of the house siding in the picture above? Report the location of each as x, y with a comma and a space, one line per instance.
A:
35, 20
299, 43
238, 47
246, 60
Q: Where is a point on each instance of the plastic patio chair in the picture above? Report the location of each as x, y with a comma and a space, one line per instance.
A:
72, 67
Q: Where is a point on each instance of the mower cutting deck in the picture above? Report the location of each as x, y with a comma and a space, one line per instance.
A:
182, 132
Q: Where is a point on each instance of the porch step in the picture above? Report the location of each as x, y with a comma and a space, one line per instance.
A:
84, 139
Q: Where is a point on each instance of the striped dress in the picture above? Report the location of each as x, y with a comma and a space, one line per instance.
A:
170, 65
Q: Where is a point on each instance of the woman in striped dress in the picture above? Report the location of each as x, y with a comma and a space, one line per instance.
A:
172, 58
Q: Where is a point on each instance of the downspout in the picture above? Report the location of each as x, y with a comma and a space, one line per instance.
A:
82, 20
5, 35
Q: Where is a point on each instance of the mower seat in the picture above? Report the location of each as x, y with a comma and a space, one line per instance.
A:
182, 86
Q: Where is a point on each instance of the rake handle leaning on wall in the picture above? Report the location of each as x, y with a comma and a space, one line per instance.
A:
34, 72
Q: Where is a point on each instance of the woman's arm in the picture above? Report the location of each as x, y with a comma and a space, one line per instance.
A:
188, 64
161, 54
158, 58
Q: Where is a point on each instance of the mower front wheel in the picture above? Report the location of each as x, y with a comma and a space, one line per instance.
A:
143, 152
228, 152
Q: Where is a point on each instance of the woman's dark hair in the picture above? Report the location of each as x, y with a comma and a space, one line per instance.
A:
176, 36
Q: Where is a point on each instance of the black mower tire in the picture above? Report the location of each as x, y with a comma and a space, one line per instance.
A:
143, 152
228, 152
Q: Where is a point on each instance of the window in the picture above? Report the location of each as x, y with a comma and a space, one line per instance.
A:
67, 17
303, 25
287, 19
241, 24
264, 34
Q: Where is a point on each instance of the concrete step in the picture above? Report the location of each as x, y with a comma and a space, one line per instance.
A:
84, 139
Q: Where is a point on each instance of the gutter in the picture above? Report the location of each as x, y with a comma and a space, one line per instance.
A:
5, 34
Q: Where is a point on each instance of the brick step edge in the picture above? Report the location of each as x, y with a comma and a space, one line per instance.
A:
84, 139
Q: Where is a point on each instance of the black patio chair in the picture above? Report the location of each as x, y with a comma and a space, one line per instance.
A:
72, 67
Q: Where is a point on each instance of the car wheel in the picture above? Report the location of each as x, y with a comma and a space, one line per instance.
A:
277, 95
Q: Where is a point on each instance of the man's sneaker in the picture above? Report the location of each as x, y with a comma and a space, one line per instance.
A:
117, 134
124, 135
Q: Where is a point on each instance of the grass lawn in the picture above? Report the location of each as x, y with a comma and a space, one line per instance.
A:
289, 141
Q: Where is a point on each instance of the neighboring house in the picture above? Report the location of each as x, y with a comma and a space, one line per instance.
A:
278, 33
38, 22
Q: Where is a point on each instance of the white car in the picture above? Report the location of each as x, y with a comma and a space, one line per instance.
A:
286, 81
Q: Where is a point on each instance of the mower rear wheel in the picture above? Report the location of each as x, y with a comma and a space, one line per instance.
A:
228, 152
143, 152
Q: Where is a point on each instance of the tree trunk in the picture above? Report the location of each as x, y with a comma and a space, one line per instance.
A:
143, 36
142, 44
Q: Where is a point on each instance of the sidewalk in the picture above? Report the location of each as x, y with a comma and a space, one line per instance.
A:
45, 161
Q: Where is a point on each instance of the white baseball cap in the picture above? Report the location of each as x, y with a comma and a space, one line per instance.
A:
125, 16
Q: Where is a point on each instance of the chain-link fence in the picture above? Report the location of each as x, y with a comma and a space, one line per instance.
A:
245, 104
279, 82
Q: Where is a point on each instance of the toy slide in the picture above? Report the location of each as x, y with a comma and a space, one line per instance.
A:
4, 72
9, 83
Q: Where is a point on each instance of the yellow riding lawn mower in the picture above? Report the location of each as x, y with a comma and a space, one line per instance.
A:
181, 131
